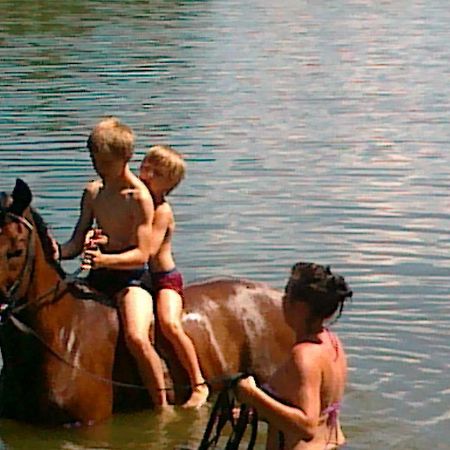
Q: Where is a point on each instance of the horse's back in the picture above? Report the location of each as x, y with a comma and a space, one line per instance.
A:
229, 321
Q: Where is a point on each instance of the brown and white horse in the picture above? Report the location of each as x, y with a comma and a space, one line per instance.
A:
63, 354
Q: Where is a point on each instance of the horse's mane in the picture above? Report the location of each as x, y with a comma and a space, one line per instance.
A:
78, 288
46, 241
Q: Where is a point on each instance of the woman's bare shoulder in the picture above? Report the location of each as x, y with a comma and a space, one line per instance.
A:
306, 356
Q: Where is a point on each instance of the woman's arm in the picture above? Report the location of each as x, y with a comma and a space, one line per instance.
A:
301, 420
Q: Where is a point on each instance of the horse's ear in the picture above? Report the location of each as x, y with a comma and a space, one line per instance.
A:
21, 197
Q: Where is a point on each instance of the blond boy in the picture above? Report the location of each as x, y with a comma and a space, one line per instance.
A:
123, 209
162, 169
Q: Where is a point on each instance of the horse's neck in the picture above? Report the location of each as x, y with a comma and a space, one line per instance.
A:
44, 278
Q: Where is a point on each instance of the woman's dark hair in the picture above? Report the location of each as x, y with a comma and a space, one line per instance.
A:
316, 285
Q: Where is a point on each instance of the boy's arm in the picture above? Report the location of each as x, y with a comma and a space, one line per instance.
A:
139, 255
74, 246
161, 222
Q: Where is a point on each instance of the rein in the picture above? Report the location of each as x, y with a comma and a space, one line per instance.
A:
26, 329
223, 413
10, 304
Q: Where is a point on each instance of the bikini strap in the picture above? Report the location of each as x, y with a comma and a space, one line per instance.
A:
334, 342
333, 412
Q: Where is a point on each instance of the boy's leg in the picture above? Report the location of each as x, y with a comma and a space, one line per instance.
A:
169, 310
136, 309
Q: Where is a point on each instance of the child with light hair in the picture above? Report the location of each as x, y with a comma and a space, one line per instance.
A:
162, 169
122, 208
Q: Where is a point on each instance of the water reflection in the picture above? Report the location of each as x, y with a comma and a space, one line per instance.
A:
312, 131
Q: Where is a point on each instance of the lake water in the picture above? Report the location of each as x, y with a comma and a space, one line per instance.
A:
313, 131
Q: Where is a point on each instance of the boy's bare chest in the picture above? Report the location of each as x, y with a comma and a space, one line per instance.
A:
114, 209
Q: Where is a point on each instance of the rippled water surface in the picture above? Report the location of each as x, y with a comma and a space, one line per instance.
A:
313, 131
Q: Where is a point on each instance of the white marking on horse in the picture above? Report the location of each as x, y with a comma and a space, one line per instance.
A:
71, 341
244, 305
192, 317
249, 304
71, 354
203, 320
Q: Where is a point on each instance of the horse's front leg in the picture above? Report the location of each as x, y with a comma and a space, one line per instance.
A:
78, 366
77, 391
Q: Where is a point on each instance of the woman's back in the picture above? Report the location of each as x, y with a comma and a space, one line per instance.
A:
334, 369
291, 385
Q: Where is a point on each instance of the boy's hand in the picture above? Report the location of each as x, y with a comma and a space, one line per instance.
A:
94, 238
92, 256
92, 259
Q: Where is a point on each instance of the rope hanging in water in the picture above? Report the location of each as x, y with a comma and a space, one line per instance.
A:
222, 413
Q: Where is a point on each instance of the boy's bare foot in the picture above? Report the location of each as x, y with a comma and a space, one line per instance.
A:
165, 410
198, 397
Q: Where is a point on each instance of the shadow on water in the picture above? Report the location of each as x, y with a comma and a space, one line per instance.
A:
28, 17
67, 18
176, 430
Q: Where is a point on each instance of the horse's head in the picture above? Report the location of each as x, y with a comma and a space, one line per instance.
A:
15, 236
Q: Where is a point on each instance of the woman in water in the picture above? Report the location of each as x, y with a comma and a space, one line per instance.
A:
302, 399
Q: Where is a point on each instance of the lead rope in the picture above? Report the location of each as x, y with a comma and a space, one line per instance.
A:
28, 330
22, 327
222, 413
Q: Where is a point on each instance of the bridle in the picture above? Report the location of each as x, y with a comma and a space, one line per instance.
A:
9, 299
11, 303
